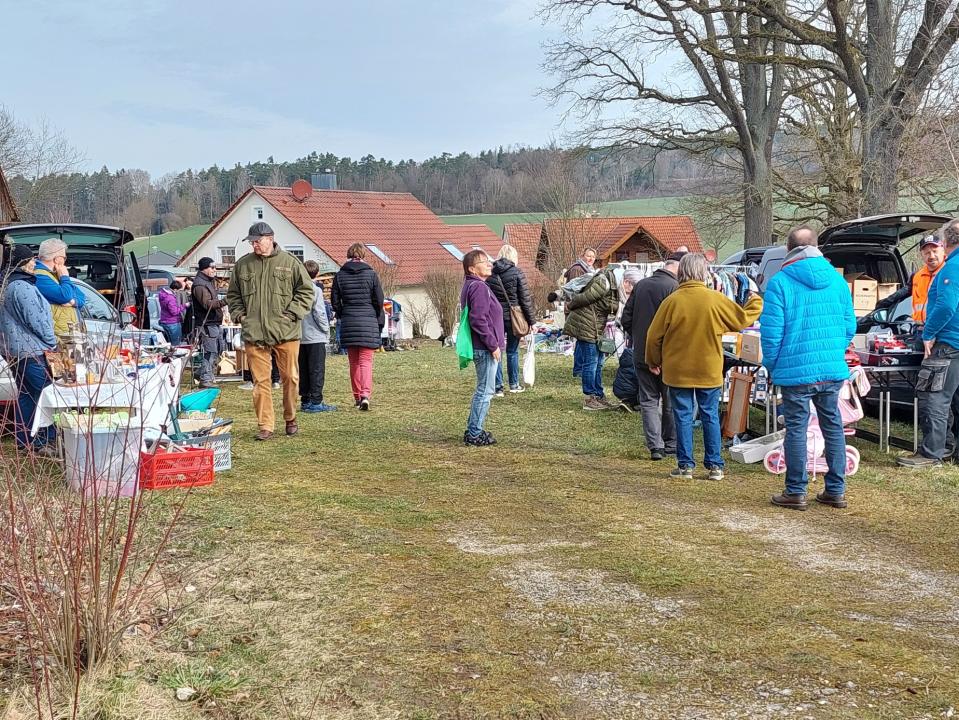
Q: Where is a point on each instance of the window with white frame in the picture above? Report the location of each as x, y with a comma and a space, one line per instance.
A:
227, 255
452, 250
296, 251
257, 212
380, 254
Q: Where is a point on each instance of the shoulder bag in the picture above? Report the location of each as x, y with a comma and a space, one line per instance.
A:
516, 318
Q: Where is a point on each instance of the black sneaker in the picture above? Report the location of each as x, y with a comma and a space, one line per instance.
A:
657, 454
476, 440
918, 462
364, 404
490, 440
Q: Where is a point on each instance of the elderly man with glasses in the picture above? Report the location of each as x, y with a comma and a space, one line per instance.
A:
270, 293
54, 283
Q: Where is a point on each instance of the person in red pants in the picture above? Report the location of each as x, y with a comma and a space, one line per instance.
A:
357, 298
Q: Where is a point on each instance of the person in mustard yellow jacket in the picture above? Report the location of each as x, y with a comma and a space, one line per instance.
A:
684, 344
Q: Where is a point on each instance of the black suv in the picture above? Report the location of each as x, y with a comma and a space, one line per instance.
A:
94, 255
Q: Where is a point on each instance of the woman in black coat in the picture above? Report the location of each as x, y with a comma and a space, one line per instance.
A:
509, 285
357, 298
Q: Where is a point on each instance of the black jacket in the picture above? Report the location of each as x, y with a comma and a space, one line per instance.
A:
357, 298
516, 291
206, 301
640, 309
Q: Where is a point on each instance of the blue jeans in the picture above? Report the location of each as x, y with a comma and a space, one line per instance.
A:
512, 363
578, 359
825, 397
592, 371
485, 386
173, 331
684, 401
31, 375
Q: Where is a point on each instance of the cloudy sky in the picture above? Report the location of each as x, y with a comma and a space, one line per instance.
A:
168, 84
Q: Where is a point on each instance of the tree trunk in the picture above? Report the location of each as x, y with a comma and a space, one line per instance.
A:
758, 196
880, 166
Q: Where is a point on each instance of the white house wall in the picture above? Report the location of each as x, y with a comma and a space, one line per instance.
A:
417, 293
234, 228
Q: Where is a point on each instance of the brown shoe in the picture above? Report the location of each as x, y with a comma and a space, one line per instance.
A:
836, 501
263, 435
792, 502
291, 427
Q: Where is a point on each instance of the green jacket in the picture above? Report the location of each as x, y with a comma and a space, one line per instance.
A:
269, 296
588, 310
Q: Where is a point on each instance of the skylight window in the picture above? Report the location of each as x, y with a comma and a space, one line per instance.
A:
380, 254
452, 250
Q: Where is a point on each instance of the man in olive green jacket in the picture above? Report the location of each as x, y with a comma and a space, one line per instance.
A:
270, 292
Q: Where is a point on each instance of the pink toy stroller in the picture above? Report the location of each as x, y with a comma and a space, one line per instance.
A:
850, 411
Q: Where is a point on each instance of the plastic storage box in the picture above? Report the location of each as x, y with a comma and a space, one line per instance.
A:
190, 467
103, 461
755, 450
221, 446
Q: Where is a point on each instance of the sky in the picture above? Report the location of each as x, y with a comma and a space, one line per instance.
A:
164, 85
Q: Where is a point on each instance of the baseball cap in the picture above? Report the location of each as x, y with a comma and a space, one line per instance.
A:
931, 240
258, 230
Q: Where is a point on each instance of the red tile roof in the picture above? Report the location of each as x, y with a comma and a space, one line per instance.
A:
525, 238
399, 224
607, 233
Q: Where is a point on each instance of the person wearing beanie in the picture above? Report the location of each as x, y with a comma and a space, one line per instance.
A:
207, 319
270, 293
26, 333
652, 393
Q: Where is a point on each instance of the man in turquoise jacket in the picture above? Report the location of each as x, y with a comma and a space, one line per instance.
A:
938, 379
807, 324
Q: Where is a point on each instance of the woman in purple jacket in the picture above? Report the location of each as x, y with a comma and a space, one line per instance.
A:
171, 312
489, 341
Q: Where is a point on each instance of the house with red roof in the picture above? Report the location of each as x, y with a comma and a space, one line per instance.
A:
615, 239
399, 232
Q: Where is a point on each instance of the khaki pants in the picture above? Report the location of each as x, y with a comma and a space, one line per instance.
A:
261, 363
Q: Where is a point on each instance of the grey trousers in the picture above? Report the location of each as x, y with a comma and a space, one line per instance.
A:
657, 414
935, 407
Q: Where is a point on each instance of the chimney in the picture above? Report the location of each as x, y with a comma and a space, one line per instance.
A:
325, 180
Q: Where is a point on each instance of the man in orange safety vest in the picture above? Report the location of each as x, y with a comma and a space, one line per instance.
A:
933, 257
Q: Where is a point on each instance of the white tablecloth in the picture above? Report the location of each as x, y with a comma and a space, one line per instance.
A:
151, 392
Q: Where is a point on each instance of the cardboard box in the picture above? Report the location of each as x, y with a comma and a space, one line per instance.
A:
863, 289
750, 348
884, 290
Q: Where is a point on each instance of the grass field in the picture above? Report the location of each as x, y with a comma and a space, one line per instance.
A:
171, 242
619, 208
375, 568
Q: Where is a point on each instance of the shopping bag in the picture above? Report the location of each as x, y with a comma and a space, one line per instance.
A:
529, 364
464, 339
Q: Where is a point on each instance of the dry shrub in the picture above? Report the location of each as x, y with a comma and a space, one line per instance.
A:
77, 570
419, 314
539, 287
389, 276
443, 287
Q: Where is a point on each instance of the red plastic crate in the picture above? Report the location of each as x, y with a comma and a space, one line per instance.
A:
190, 467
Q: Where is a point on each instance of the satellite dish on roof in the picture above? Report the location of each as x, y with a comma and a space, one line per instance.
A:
301, 190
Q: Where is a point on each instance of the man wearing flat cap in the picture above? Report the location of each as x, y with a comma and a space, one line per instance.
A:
270, 293
207, 319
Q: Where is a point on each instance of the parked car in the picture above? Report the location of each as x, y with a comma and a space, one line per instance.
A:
94, 255
748, 258
871, 245
101, 318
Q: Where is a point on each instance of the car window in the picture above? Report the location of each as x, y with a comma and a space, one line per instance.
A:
95, 306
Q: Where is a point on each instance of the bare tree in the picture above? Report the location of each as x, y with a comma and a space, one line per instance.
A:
389, 276
733, 104
889, 64
420, 314
443, 289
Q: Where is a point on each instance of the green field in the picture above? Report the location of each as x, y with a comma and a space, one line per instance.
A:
375, 568
178, 241
618, 208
